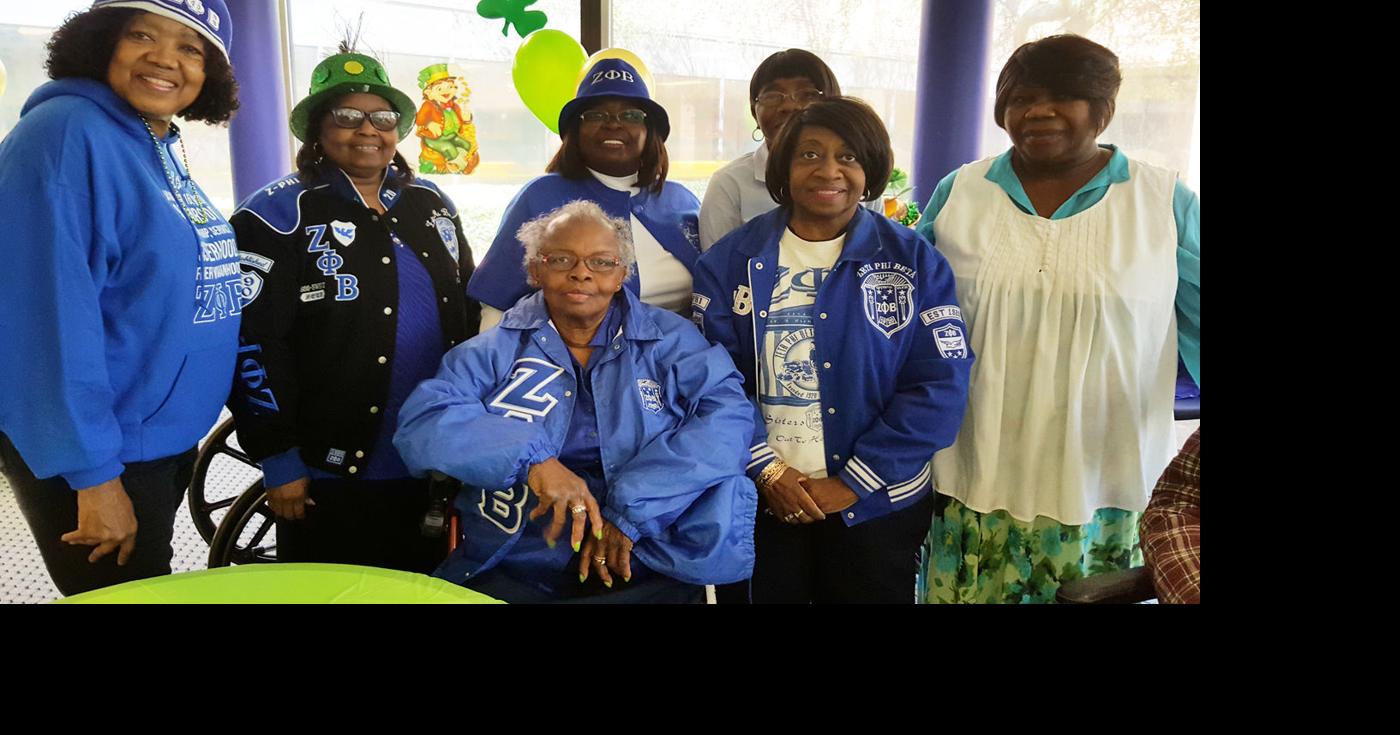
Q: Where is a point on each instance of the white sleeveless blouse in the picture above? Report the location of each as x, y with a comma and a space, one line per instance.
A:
1074, 329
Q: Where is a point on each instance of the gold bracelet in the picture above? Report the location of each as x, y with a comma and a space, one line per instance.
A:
771, 473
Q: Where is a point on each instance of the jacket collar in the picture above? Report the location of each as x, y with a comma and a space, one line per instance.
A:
530, 314
389, 188
861, 244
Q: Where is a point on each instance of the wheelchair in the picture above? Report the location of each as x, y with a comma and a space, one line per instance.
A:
237, 523
239, 526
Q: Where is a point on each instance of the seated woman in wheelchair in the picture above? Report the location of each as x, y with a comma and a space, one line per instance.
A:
588, 409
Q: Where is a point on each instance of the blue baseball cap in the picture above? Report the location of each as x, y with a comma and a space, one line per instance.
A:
209, 18
614, 78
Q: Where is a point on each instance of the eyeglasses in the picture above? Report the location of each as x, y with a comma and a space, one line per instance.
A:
632, 117
801, 97
565, 262
349, 117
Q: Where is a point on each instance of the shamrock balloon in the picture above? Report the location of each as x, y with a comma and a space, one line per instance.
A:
513, 12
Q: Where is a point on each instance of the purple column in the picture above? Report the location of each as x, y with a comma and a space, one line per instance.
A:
258, 135
953, 39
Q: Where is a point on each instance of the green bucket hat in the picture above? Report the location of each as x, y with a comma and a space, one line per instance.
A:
344, 74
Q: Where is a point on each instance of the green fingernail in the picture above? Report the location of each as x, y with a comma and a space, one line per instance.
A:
550, 542
627, 579
607, 583
598, 534
576, 545
580, 579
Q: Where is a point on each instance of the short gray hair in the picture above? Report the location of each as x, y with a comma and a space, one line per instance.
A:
532, 234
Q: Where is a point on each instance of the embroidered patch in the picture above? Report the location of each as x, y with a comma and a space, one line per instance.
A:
249, 288
692, 234
950, 340
343, 232
503, 507
743, 301
940, 312
525, 396
335, 457
889, 301
253, 260
651, 395
699, 302
310, 296
448, 232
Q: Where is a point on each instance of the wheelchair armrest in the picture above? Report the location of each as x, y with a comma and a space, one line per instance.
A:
1112, 588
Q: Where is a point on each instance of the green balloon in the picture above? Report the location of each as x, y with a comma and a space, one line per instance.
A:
545, 73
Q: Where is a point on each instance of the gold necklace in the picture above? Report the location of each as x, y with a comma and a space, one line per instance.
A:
195, 211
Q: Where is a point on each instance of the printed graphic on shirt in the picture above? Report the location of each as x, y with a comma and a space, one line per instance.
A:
650, 391
789, 387
504, 507
219, 286
887, 290
335, 457
524, 397
951, 342
448, 232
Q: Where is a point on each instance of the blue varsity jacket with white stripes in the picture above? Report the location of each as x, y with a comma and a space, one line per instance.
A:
891, 350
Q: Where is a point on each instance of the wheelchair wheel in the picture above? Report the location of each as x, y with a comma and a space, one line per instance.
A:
235, 471
247, 533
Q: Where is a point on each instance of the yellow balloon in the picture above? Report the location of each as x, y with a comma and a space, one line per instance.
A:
627, 56
2, 79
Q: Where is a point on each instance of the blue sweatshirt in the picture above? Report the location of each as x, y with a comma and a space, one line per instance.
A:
122, 304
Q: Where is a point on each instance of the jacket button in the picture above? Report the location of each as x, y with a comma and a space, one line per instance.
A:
826, 365
617, 347
395, 220
425, 253
444, 299
831, 410
388, 310
385, 260
758, 266
374, 409
823, 315
383, 359
851, 516
360, 454
568, 393
374, 217
836, 457
354, 469
763, 314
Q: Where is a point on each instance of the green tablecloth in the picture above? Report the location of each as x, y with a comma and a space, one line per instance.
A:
286, 583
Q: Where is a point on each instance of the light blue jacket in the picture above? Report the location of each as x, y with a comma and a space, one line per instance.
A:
675, 429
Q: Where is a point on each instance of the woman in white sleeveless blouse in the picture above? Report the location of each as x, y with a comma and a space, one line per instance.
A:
1078, 271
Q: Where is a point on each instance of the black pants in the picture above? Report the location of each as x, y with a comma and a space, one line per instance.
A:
656, 589
373, 523
830, 562
50, 507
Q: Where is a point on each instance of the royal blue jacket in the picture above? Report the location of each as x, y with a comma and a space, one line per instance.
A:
121, 306
671, 216
675, 439
891, 350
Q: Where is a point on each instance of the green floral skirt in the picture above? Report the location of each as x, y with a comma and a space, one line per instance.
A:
992, 557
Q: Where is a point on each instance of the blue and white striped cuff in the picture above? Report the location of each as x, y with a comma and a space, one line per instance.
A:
864, 476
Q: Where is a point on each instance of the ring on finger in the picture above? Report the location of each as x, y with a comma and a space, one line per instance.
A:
789, 518
800, 513
577, 509
603, 560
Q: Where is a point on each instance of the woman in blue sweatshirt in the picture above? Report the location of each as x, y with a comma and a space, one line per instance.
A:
122, 283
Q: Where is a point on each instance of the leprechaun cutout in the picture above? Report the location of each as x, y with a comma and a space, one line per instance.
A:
444, 123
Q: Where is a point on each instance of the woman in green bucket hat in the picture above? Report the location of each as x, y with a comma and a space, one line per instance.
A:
353, 270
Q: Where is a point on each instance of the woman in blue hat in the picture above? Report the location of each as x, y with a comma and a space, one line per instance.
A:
613, 153
355, 269
122, 285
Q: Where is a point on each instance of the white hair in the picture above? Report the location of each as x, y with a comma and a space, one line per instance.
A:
534, 234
